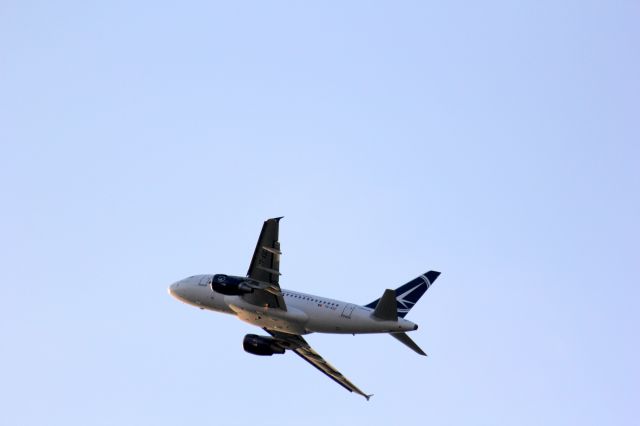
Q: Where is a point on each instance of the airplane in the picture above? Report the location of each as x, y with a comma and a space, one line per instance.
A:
288, 315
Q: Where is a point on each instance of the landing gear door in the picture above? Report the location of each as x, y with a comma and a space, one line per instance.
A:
346, 313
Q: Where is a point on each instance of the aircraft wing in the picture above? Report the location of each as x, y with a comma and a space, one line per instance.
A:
265, 268
300, 346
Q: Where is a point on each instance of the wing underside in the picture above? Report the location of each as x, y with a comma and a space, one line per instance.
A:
265, 267
300, 346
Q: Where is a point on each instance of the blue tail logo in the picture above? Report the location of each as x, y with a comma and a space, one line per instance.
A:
409, 294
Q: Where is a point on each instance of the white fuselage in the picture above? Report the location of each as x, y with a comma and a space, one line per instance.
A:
305, 313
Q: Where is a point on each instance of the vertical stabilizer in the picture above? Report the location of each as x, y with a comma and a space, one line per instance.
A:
409, 294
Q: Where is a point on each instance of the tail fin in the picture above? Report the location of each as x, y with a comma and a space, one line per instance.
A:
409, 294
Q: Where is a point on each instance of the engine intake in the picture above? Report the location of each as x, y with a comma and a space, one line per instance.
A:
261, 345
230, 286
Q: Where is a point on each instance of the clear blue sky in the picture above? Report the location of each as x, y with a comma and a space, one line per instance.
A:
497, 142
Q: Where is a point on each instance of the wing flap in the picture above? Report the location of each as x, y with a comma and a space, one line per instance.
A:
320, 369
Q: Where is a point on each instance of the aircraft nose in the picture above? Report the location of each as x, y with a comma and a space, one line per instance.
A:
173, 289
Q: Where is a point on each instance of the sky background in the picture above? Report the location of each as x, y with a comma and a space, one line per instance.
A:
497, 142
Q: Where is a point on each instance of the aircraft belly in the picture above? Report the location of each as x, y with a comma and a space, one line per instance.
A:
290, 321
360, 321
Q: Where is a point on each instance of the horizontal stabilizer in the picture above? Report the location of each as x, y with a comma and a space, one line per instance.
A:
387, 308
404, 338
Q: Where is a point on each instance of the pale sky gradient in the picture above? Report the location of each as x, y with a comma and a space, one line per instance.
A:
497, 142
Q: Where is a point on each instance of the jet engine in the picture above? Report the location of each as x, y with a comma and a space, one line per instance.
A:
261, 345
230, 286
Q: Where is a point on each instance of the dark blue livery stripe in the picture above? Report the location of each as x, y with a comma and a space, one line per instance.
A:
409, 294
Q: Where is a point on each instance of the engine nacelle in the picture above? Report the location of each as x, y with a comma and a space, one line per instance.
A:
229, 285
261, 345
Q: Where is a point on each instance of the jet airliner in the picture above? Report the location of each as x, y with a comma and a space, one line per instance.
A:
288, 315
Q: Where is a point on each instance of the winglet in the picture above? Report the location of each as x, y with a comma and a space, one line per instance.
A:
368, 396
